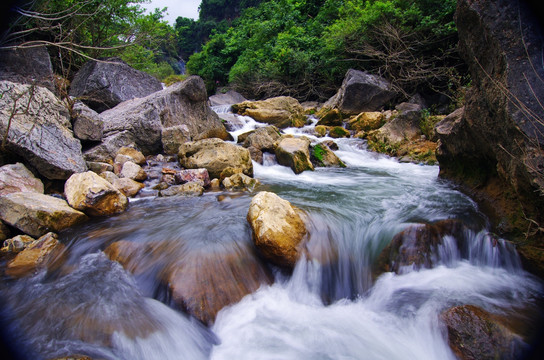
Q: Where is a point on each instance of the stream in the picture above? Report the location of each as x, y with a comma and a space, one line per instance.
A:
333, 305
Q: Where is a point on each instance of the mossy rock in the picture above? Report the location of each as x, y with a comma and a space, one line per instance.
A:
322, 156
339, 132
330, 117
321, 130
367, 121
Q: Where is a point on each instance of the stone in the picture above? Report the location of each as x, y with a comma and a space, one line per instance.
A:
263, 138
130, 154
94, 195
321, 130
294, 153
31, 65
339, 132
142, 122
106, 83
36, 214
360, 92
330, 117
109, 176
278, 228
200, 176
17, 244
405, 126
473, 334
229, 98
189, 189
5, 233
39, 254
99, 167
281, 111
172, 137
256, 154
42, 133
322, 156
87, 123
240, 182
127, 186
17, 178
215, 155
330, 144
215, 184
366, 121
132, 171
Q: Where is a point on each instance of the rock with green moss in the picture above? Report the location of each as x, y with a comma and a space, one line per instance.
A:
294, 153
339, 132
366, 121
322, 156
321, 130
329, 117
36, 214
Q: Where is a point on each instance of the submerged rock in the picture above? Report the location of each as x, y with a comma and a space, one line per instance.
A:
36, 214
263, 138
294, 153
94, 195
41, 253
188, 189
278, 228
215, 155
17, 178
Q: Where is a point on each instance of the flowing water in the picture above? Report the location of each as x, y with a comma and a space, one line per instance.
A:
333, 306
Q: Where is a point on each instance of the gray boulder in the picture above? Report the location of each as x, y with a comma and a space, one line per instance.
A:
360, 92
142, 122
104, 84
27, 66
405, 126
87, 123
40, 131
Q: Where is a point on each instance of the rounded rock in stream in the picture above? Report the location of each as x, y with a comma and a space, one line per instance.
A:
278, 229
294, 153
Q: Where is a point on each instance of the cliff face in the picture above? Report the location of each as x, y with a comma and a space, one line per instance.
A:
495, 150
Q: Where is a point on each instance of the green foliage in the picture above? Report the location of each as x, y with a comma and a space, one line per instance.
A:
172, 79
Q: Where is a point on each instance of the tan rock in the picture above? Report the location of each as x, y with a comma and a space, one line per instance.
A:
131, 154
17, 244
339, 132
109, 176
294, 153
99, 167
43, 252
133, 171
215, 155
188, 189
127, 186
278, 228
321, 130
240, 182
36, 214
366, 121
94, 195
323, 156
281, 111
329, 117
17, 178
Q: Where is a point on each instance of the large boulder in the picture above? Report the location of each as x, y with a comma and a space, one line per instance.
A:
17, 178
294, 153
263, 138
501, 41
36, 214
148, 123
473, 334
278, 228
94, 195
281, 111
366, 121
106, 83
88, 124
322, 156
215, 156
36, 255
30, 65
361, 91
229, 98
39, 130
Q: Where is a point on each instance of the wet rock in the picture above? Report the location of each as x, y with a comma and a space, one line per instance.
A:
94, 195
228, 98
240, 182
263, 139
339, 132
215, 155
42, 133
199, 176
360, 92
41, 253
127, 186
322, 156
189, 189
320, 130
473, 334
141, 122
104, 84
331, 144
87, 123
30, 65
132, 171
330, 117
17, 244
109, 176
36, 214
256, 154
126, 153
17, 178
281, 111
278, 228
215, 184
294, 153
417, 246
229, 276
366, 121
99, 167
405, 126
